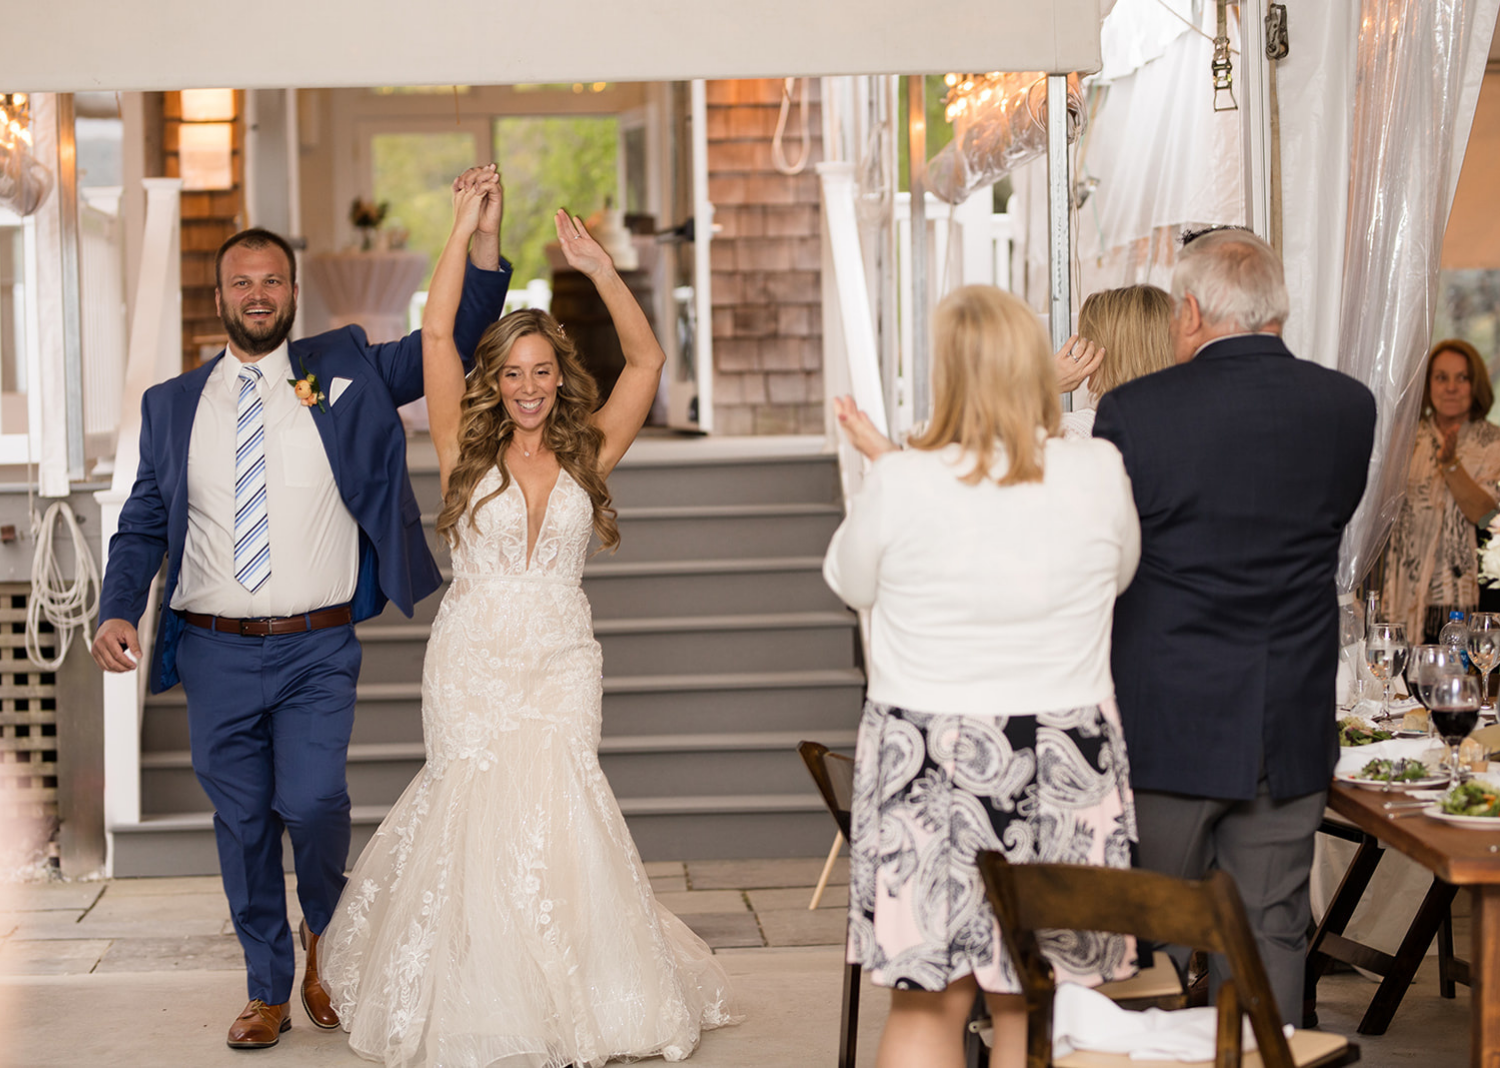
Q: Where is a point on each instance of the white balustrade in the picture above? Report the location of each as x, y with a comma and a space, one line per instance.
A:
101, 269
155, 354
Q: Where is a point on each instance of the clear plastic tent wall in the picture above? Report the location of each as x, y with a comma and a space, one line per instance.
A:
1409, 103
998, 131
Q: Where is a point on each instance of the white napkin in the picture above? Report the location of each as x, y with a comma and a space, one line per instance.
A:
1354, 757
1084, 1019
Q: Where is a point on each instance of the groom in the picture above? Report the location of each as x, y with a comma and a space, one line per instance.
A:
273, 479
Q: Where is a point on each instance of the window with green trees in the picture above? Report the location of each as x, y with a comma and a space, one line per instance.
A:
549, 163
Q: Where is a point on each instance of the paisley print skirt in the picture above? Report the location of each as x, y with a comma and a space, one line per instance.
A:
932, 791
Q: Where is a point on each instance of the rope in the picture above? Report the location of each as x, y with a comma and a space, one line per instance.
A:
66, 605
1190, 25
778, 154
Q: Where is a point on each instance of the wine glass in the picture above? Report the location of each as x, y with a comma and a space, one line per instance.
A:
1484, 650
1455, 711
1385, 652
1428, 662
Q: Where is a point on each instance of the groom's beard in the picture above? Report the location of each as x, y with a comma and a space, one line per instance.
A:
257, 339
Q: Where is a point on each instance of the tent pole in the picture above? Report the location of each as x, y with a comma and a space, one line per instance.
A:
921, 296
1059, 202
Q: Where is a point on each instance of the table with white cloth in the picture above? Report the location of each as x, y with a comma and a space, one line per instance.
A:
372, 290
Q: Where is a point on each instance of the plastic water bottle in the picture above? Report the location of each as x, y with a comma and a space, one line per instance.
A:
1456, 634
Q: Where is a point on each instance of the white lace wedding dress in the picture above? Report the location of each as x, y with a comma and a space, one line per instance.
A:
501, 916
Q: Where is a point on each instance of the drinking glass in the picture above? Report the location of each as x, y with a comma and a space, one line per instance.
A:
1428, 662
1484, 650
1385, 652
1351, 633
1455, 711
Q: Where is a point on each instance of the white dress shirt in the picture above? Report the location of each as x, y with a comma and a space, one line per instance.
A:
314, 538
989, 599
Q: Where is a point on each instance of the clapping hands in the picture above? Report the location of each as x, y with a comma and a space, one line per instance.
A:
860, 431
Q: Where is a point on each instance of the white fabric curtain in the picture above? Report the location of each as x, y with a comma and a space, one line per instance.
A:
1420, 64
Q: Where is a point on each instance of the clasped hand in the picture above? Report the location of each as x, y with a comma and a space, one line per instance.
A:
479, 199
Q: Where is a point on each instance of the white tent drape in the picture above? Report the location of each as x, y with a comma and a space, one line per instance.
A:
172, 44
1419, 69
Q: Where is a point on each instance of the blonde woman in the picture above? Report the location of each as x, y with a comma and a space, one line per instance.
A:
501, 914
1132, 325
990, 553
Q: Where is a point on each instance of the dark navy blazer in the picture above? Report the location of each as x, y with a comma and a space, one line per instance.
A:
366, 447
1246, 463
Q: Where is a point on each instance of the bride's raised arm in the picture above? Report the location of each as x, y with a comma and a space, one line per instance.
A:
629, 403
442, 370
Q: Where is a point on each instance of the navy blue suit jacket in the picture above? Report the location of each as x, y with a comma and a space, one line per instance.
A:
1246, 463
366, 447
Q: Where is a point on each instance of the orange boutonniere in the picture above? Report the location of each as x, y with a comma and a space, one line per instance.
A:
307, 390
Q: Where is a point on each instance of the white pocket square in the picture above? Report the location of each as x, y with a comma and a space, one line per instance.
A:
337, 389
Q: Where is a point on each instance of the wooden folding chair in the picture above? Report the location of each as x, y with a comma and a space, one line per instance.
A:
834, 775
1206, 914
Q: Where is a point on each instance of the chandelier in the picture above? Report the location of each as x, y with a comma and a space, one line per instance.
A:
999, 122
24, 182
15, 119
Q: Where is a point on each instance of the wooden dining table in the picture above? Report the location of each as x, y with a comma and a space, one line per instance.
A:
1463, 856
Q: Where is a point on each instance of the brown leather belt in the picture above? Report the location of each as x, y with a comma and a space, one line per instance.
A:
338, 616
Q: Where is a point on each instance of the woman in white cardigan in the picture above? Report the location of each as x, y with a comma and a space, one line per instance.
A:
990, 554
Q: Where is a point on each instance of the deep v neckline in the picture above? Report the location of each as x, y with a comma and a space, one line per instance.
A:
541, 527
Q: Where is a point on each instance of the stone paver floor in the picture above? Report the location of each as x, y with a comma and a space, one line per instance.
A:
148, 972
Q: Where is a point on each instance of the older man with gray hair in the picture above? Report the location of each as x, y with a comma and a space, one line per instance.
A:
1246, 463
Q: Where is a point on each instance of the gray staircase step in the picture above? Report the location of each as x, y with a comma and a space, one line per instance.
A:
815, 702
636, 765
682, 587
705, 828
809, 479
786, 641
723, 648
728, 531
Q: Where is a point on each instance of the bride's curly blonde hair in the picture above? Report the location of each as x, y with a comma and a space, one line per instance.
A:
485, 428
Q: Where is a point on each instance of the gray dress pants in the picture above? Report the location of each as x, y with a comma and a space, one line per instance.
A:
1267, 846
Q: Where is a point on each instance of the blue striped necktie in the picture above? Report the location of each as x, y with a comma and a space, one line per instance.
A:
252, 527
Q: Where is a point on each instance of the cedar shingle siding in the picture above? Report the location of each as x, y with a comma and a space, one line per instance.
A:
767, 258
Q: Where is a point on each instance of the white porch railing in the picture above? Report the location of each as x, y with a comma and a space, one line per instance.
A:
101, 269
21, 314
155, 354
969, 244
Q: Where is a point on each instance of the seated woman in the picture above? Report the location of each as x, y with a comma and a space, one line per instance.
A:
1431, 564
990, 554
1131, 326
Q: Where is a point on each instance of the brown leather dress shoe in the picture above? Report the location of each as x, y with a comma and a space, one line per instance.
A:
314, 998
260, 1025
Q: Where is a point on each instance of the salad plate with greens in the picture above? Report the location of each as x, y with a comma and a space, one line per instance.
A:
1403, 774
1475, 803
1355, 731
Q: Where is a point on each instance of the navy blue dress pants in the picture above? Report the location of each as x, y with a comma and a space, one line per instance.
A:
269, 720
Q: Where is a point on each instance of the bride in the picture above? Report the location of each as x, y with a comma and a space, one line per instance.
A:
500, 916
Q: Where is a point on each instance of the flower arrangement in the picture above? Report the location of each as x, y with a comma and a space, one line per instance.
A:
1489, 554
368, 216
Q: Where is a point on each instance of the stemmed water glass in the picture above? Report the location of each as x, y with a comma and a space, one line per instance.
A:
1455, 710
1385, 652
1484, 650
1351, 632
1426, 663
